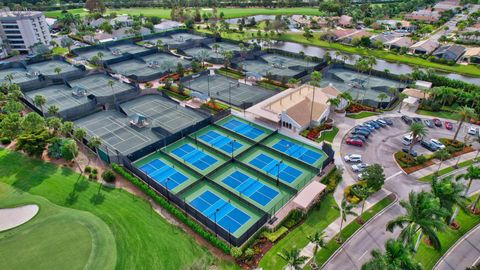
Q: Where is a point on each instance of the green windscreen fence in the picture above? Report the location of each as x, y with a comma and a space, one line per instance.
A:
103, 156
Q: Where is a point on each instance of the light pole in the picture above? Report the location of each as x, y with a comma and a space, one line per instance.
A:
166, 185
232, 143
278, 171
215, 219
230, 93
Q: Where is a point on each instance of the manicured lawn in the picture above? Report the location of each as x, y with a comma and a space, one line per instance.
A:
59, 50
142, 239
332, 245
228, 12
406, 59
328, 135
58, 13
440, 114
428, 178
317, 220
427, 256
361, 115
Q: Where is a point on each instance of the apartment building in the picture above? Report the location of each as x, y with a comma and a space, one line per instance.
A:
23, 29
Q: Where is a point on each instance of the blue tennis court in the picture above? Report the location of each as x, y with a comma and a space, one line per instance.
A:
220, 211
243, 128
194, 156
251, 188
220, 141
275, 168
297, 151
163, 174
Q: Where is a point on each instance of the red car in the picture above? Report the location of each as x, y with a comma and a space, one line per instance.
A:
448, 125
355, 142
437, 122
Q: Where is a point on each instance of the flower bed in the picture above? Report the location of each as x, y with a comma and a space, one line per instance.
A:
356, 108
351, 192
314, 132
409, 164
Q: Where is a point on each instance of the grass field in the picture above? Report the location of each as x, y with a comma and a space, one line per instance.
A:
317, 220
361, 115
328, 135
228, 12
332, 245
427, 256
90, 217
440, 114
428, 178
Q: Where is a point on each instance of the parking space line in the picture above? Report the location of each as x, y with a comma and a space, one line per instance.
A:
392, 176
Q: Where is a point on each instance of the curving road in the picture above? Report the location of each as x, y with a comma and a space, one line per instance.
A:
465, 253
380, 149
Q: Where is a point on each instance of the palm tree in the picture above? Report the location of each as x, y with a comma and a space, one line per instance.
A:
9, 78
53, 110
100, 56
464, 113
39, 101
334, 102
423, 216
393, 93
79, 134
346, 210
293, 258
442, 155
450, 195
396, 257
473, 173
417, 130
66, 128
364, 193
381, 97
215, 48
94, 142
346, 96
111, 84
57, 70
315, 78
318, 239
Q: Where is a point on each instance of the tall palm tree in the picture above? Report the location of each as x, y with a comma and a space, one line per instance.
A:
318, 239
346, 209
66, 128
396, 257
315, 78
381, 97
94, 142
53, 110
417, 130
450, 195
334, 102
442, 155
423, 216
111, 83
346, 96
364, 193
39, 101
9, 78
465, 113
293, 258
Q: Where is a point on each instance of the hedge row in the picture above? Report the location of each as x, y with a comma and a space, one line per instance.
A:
173, 210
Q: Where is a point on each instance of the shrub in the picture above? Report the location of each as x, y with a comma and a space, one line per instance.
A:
94, 171
88, 169
421, 159
249, 252
236, 252
5, 140
108, 176
293, 218
92, 176
54, 148
274, 236
173, 210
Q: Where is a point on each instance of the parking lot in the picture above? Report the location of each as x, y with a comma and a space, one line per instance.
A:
385, 141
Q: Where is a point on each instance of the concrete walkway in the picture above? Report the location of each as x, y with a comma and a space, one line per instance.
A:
447, 163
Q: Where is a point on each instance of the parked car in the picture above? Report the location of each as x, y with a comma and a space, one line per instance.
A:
428, 123
360, 132
437, 122
373, 124
354, 158
408, 139
380, 122
407, 120
473, 131
448, 125
428, 145
354, 142
359, 167
365, 127
387, 121
359, 137
438, 143
417, 120
412, 152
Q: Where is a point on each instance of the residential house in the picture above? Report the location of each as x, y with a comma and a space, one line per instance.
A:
346, 36
399, 43
447, 5
472, 55
345, 21
425, 15
166, 25
122, 20
449, 52
424, 47
96, 23
397, 25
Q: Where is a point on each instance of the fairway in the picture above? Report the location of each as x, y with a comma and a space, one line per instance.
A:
86, 226
53, 234
228, 12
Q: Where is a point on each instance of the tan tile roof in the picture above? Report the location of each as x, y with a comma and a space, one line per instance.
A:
300, 112
416, 93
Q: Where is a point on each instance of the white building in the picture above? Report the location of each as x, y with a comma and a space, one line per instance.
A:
23, 29
294, 109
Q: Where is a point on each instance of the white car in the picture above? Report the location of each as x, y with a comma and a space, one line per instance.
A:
353, 158
359, 167
437, 143
472, 131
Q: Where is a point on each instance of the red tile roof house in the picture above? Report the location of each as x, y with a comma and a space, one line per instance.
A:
424, 15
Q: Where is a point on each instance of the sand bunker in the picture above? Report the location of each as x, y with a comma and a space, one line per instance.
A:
13, 217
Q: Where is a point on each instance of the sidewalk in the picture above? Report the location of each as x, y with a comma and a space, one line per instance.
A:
447, 163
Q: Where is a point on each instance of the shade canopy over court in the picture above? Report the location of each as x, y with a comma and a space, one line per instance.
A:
48, 68
228, 90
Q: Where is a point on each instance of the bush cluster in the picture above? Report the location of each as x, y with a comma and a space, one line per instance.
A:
108, 176
173, 210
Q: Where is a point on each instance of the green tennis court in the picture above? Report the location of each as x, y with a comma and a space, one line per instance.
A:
105, 54
98, 85
58, 95
127, 48
47, 68
276, 64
